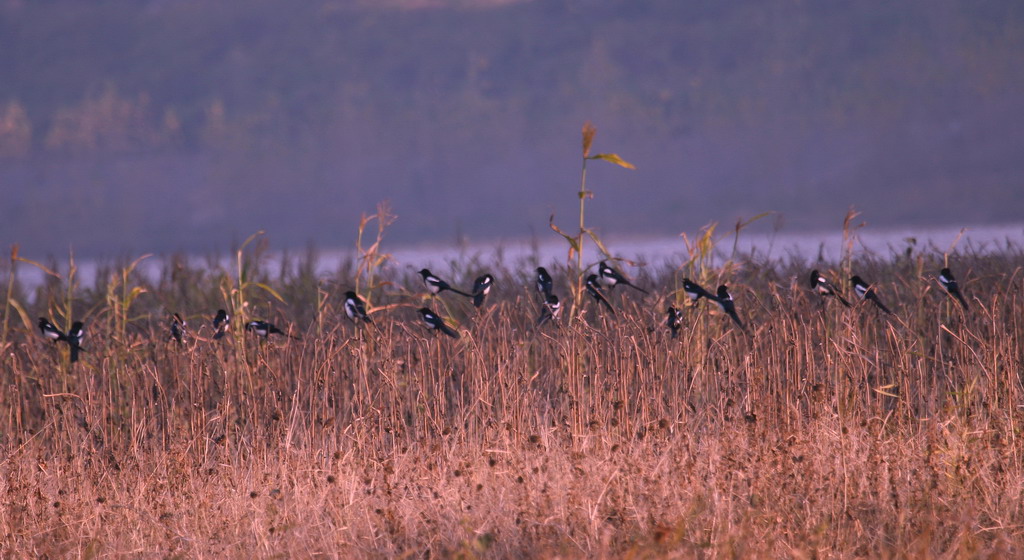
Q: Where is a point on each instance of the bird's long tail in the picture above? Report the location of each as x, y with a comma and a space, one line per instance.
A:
448, 330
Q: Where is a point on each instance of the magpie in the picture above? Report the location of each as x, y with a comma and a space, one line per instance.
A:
594, 289
544, 282
695, 291
864, 291
675, 316
726, 304
611, 277
265, 329
74, 338
355, 308
949, 282
435, 285
552, 307
221, 324
482, 287
825, 288
178, 328
436, 323
50, 331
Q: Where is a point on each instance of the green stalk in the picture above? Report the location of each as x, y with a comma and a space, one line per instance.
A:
10, 291
578, 287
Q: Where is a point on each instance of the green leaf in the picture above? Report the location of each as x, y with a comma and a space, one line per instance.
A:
39, 266
270, 291
135, 263
600, 245
21, 312
574, 244
614, 158
884, 390
249, 240
133, 294
740, 224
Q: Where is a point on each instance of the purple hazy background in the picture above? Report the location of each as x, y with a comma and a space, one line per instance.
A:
177, 125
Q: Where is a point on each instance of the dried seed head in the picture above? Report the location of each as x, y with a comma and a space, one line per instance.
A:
589, 131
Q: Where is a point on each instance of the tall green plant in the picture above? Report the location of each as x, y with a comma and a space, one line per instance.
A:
246, 269
371, 259
10, 302
849, 237
120, 297
576, 241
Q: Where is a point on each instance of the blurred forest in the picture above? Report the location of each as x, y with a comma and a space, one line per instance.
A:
160, 125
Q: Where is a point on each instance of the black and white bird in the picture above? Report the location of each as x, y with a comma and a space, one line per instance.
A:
674, 320
823, 287
552, 307
594, 289
611, 277
355, 308
179, 328
544, 282
49, 331
695, 291
264, 329
435, 285
949, 282
481, 287
221, 324
436, 323
74, 338
864, 291
728, 306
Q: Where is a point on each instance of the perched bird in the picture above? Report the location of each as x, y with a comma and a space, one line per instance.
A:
675, 317
221, 324
552, 307
949, 282
825, 288
74, 338
611, 277
178, 328
726, 304
436, 323
482, 287
50, 331
355, 308
695, 291
435, 285
594, 289
864, 291
544, 282
265, 329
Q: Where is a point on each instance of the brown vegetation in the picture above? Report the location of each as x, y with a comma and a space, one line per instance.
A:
827, 432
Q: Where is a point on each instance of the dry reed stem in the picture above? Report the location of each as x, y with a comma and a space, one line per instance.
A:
828, 432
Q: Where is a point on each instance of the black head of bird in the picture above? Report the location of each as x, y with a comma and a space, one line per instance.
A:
949, 282
355, 308
695, 291
178, 328
50, 331
74, 338
544, 282
221, 323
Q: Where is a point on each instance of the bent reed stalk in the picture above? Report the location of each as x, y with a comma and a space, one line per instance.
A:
828, 431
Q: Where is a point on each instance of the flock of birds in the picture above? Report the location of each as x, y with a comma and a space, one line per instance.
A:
595, 284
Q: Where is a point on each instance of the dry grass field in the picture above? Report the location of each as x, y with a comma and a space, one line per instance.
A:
825, 432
